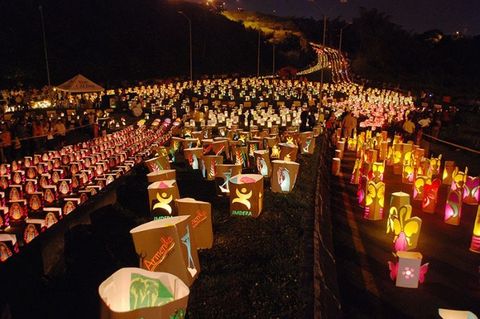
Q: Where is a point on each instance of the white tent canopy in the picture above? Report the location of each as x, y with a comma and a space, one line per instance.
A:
79, 84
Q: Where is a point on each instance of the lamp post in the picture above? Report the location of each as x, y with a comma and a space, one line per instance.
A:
191, 52
44, 44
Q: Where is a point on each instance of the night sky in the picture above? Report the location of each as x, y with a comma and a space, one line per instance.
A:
414, 15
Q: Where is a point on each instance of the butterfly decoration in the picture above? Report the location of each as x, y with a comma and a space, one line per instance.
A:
471, 190
375, 191
453, 208
405, 227
430, 192
407, 272
378, 168
418, 186
459, 179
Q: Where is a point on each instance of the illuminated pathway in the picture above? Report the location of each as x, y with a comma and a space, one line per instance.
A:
363, 249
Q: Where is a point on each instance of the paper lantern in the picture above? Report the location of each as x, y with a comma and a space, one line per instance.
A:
352, 143
371, 155
262, 159
341, 145
224, 173
132, 293
175, 145
284, 176
4, 218
246, 195
209, 164
406, 228
374, 201
157, 163
475, 243
355, 179
430, 193
201, 220
408, 272
17, 211
458, 180
307, 142
30, 233
378, 168
448, 172
383, 151
194, 157
471, 191
420, 182
390, 156
456, 314
362, 190
453, 208
336, 165
166, 245
408, 174
434, 168
220, 147
162, 175
253, 145
338, 154
288, 152
397, 200
8, 246
161, 196
240, 155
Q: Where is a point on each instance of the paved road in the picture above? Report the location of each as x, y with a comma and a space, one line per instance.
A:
363, 249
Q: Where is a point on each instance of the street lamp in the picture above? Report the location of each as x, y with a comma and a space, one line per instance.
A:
191, 53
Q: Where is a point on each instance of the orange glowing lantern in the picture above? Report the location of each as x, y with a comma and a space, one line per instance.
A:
430, 192
408, 174
336, 165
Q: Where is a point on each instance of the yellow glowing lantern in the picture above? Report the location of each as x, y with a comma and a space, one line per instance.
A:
448, 172
397, 200
418, 186
378, 169
459, 178
161, 196
374, 201
475, 243
406, 228
453, 207
352, 143
408, 174
246, 195
383, 152
434, 168
356, 172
